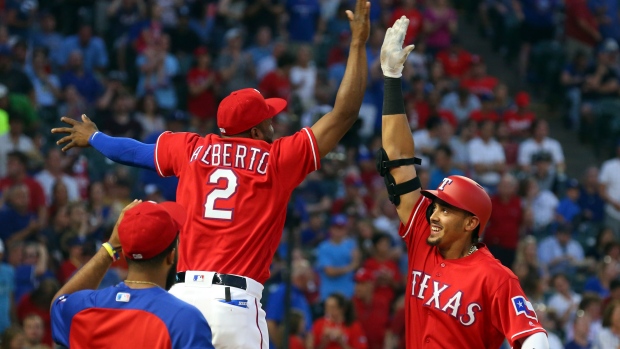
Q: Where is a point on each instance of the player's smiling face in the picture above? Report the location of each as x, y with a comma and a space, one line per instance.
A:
448, 224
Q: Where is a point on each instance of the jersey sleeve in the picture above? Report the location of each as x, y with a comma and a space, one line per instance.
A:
294, 157
513, 314
416, 221
173, 152
63, 310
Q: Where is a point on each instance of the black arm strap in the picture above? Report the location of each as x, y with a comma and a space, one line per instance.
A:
384, 164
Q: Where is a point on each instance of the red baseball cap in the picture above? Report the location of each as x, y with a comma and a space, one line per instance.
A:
363, 275
149, 228
244, 109
522, 99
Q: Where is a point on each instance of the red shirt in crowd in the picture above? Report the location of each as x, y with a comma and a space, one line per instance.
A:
415, 22
25, 307
481, 86
397, 327
482, 115
37, 196
354, 334
455, 65
374, 319
275, 85
203, 105
389, 267
519, 124
294, 342
578, 11
503, 227
66, 270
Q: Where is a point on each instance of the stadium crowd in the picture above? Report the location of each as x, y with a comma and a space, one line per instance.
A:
139, 67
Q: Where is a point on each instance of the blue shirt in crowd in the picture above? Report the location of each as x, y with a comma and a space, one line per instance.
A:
339, 255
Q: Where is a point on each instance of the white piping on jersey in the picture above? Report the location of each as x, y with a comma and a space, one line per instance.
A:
413, 217
530, 330
312, 146
156, 157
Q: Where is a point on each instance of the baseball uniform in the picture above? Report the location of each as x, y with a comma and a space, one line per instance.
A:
470, 302
236, 191
121, 317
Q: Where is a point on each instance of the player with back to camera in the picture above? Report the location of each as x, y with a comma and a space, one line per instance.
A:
236, 188
458, 294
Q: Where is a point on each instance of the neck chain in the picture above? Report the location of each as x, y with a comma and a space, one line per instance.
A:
472, 249
141, 282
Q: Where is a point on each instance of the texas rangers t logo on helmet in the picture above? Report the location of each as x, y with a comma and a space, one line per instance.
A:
523, 306
446, 181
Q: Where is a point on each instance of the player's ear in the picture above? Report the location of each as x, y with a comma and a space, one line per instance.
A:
256, 133
471, 223
171, 257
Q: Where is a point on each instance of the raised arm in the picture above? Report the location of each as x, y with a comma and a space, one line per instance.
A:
333, 126
396, 135
122, 150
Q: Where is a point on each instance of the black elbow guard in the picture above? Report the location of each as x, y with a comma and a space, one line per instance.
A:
384, 164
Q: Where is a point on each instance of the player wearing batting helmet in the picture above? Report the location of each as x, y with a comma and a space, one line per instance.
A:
137, 313
458, 295
236, 188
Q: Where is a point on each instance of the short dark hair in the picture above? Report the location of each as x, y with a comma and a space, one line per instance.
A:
19, 156
444, 148
285, 59
155, 261
347, 307
608, 312
376, 238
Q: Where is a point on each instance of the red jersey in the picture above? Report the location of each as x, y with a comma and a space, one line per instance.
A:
576, 11
236, 191
415, 23
37, 196
455, 65
26, 307
374, 319
375, 267
473, 301
480, 86
519, 124
481, 115
354, 334
275, 85
503, 227
203, 105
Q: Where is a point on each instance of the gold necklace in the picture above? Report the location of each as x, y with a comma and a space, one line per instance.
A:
472, 249
142, 282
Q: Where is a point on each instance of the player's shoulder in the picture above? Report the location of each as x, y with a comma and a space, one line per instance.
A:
493, 267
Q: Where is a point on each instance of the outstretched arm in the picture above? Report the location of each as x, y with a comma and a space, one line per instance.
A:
395, 132
122, 150
333, 126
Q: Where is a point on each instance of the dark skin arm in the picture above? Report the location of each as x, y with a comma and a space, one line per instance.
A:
333, 125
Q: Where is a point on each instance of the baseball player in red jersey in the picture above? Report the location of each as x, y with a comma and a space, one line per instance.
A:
235, 188
458, 295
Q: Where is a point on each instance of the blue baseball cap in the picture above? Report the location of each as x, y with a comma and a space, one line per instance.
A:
339, 220
572, 183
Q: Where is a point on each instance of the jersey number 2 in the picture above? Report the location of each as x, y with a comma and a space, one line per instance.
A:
217, 193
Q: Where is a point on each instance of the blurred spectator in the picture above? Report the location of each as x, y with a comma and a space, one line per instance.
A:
203, 23
506, 221
540, 141
560, 253
372, 312
297, 330
383, 269
46, 85
581, 329
74, 260
315, 232
510, 146
608, 22
520, 119
426, 139
543, 205
479, 82
303, 77
609, 183
607, 270
53, 172
590, 201
122, 16
338, 328
537, 25
564, 301
614, 293
440, 24
17, 165
57, 227
301, 275
235, 66
94, 53
157, 68
486, 111
183, 40
543, 171
38, 303
568, 209
487, 157
202, 81
20, 16
609, 335
47, 37
31, 270
581, 28
502, 101
83, 79
14, 141
13, 78
34, 330
604, 237
337, 259
277, 83
455, 60
461, 103
17, 221
409, 9
59, 197
304, 23
7, 286
149, 116
548, 320
120, 121
354, 202
13, 338
572, 79
74, 103
443, 166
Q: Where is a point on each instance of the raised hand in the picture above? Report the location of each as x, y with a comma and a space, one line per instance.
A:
360, 21
393, 55
79, 133
114, 240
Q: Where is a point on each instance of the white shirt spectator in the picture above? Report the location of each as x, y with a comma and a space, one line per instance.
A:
24, 144
490, 152
606, 340
423, 140
543, 208
550, 249
307, 78
47, 180
530, 147
461, 112
610, 177
561, 304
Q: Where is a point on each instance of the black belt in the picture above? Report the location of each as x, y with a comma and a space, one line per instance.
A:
221, 279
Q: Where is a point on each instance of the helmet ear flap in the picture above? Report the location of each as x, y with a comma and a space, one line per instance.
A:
429, 212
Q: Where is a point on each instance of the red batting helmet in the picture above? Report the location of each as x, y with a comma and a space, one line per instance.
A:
464, 193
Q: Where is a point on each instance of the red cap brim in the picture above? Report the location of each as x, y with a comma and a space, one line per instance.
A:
276, 105
176, 211
436, 194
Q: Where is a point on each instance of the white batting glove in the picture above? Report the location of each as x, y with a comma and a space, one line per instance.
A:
393, 55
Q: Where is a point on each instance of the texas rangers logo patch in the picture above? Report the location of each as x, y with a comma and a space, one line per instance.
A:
523, 306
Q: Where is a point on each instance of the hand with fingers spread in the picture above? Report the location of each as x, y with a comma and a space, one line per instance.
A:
79, 132
393, 55
360, 22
